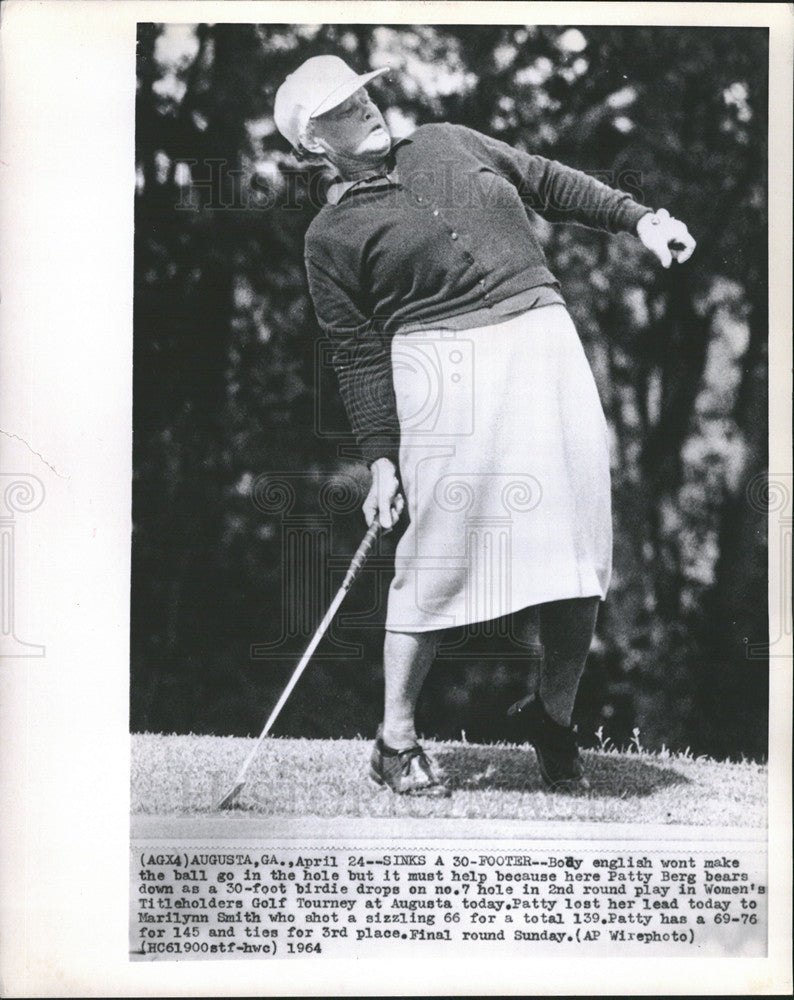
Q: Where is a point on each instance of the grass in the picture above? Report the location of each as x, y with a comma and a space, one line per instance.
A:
187, 775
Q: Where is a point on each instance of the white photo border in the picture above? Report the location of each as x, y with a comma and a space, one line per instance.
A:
66, 204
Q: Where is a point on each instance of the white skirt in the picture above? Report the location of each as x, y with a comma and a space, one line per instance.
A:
504, 459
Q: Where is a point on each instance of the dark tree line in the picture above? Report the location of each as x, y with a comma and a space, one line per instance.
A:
227, 379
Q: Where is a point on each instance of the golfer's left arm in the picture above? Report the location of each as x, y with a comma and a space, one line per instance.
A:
563, 194
560, 193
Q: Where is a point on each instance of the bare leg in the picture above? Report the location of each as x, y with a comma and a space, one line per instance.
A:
566, 631
407, 657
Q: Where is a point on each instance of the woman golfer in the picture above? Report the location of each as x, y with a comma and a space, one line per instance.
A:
468, 391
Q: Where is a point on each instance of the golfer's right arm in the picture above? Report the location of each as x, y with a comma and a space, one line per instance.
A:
362, 363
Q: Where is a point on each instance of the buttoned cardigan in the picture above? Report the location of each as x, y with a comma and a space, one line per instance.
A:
452, 237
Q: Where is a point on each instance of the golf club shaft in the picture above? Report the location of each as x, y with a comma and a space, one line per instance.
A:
357, 562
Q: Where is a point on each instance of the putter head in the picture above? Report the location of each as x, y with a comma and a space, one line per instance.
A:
229, 801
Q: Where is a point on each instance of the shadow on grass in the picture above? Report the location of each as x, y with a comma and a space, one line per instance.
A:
516, 770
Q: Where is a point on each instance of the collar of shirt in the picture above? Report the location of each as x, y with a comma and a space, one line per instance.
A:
339, 187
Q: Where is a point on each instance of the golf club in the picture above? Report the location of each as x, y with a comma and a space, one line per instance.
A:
357, 562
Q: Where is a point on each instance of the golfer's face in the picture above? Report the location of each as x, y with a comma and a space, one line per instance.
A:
355, 128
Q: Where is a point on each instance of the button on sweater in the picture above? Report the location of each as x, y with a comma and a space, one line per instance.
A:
446, 234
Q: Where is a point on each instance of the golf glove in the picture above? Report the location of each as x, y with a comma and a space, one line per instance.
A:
665, 236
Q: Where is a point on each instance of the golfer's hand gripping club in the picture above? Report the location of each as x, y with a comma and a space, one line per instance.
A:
384, 502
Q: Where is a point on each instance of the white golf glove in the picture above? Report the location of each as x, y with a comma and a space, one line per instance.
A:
665, 236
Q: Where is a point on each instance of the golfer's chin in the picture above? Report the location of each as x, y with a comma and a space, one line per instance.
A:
376, 142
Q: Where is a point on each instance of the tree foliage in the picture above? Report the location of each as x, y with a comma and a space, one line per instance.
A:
230, 389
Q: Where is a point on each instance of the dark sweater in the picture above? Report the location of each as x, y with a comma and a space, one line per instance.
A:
452, 236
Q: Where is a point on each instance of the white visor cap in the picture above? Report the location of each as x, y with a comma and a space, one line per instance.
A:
317, 85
